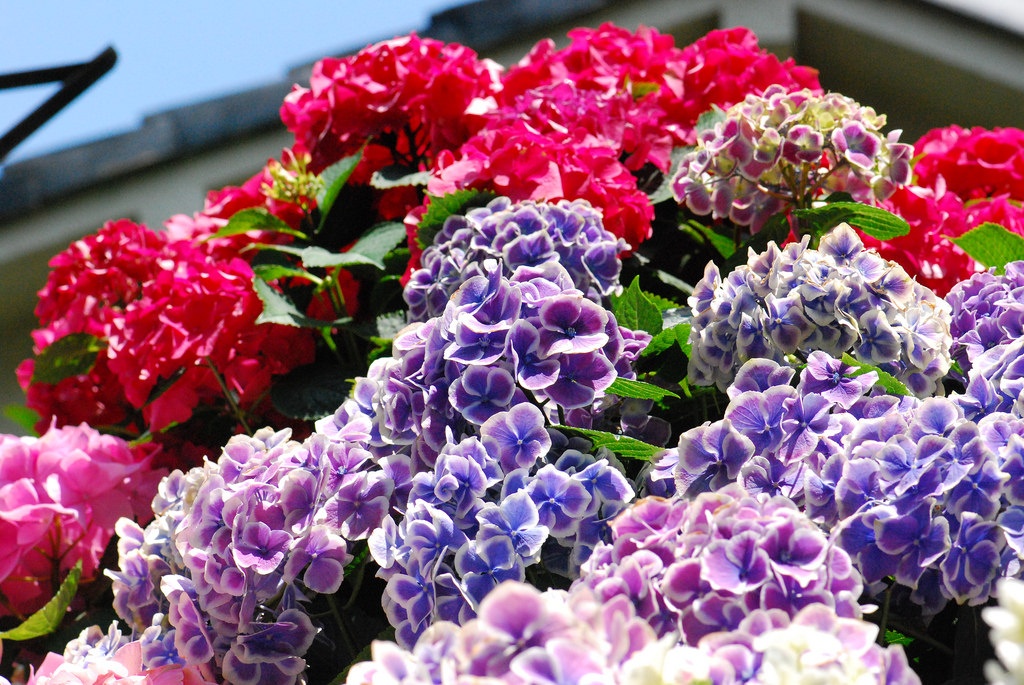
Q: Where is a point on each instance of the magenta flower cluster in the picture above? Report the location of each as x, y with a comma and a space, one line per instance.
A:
221, 578
840, 298
518, 234
784, 149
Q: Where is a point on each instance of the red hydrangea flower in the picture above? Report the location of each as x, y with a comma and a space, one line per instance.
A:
60, 496
723, 67
195, 316
522, 164
925, 252
167, 313
965, 177
974, 162
608, 81
417, 89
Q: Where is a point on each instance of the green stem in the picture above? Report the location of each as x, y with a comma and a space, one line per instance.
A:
883, 623
232, 404
357, 583
346, 636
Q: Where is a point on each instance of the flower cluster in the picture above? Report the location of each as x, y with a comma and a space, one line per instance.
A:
839, 298
698, 567
220, 579
60, 496
911, 489
491, 507
962, 178
784, 149
464, 405
98, 658
574, 123
987, 329
172, 325
524, 637
519, 234
419, 91
499, 342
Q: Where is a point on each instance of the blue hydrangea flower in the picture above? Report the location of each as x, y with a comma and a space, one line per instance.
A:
785, 304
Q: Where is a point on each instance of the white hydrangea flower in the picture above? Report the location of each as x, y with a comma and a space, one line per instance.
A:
1007, 635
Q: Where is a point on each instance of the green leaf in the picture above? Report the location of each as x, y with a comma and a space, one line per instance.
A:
397, 176
378, 241
314, 256
49, 618
255, 219
443, 206
622, 445
280, 310
894, 637
319, 257
24, 417
991, 245
623, 387
663, 192
723, 242
270, 272
636, 310
311, 392
72, 355
709, 118
874, 221
886, 381
334, 177
679, 334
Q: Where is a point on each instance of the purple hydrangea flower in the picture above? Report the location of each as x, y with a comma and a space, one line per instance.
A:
524, 234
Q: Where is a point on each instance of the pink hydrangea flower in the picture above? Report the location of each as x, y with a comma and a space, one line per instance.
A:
123, 668
60, 496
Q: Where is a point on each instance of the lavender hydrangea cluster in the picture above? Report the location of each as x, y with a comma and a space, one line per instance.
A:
700, 566
525, 637
500, 341
840, 298
461, 417
492, 506
912, 489
784, 149
516, 234
988, 335
223, 575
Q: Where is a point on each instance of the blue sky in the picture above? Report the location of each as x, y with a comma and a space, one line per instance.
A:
174, 53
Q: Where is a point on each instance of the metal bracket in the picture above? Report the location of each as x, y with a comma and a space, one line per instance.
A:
76, 78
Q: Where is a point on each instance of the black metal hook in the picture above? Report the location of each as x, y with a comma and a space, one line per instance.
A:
76, 79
